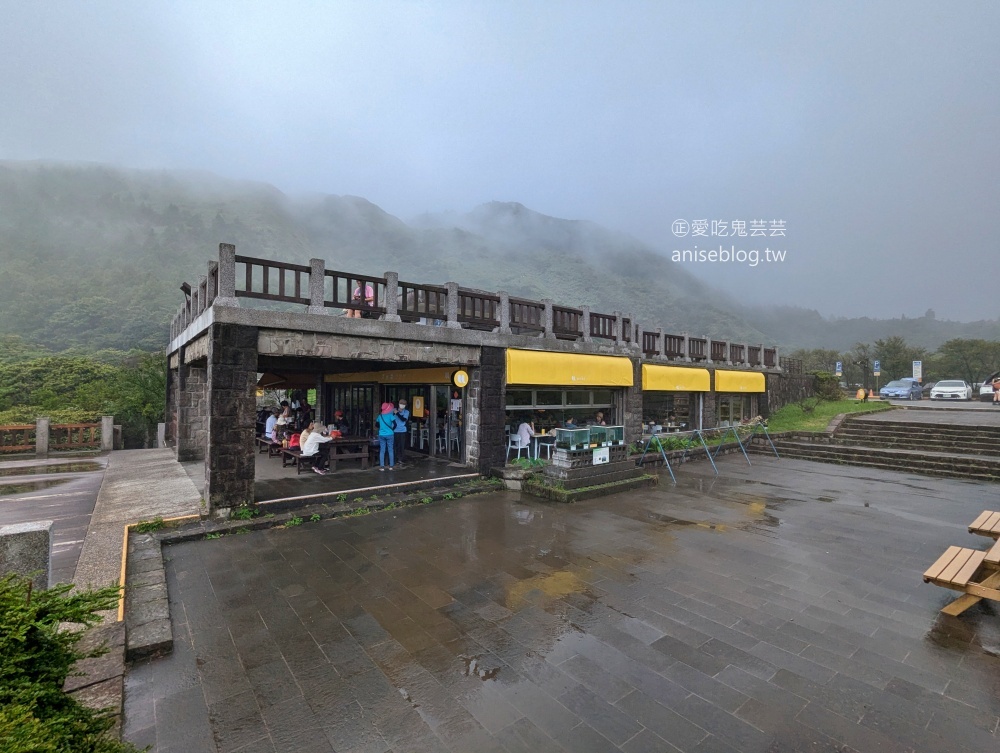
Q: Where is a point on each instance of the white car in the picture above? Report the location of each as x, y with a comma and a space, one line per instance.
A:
951, 389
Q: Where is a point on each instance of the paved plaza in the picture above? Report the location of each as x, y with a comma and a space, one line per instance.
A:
777, 607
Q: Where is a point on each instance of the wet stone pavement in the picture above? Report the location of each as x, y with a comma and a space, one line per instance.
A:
777, 607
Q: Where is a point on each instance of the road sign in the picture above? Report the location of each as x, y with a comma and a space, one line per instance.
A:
877, 369
840, 368
918, 370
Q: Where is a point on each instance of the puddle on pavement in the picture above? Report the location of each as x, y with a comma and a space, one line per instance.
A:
474, 669
33, 486
39, 470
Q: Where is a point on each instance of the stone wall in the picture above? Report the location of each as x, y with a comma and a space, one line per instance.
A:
26, 550
784, 389
192, 411
232, 384
485, 432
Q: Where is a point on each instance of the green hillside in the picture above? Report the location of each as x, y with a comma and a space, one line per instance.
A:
92, 257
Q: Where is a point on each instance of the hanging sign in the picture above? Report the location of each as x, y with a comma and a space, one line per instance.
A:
460, 378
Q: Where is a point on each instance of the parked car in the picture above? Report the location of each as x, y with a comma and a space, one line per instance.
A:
986, 388
901, 389
951, 389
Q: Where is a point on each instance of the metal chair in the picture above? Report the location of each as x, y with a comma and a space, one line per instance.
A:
514, 443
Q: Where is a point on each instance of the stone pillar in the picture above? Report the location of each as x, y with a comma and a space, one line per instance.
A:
26, 549
227, 276
708, 349
452, 305
686, 348
317, 286
320, 408
548, 319
660, 350
729, 353
192, 418
631, 404
619, 334
585, 323
232, 385
42, 426
170, 408
161, 435
432, 427
485, 404
504, 313
107, 433
710, 416
777, 358
391, 302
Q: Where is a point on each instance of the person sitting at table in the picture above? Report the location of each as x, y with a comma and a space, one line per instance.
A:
598, 419
316, 446
271, 425
338, 422
525, 432
671, 418
570, 423
310, 428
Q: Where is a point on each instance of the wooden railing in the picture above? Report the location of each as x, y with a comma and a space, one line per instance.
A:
17, 438
697, 348
74, 436
349, 291
272, 280
236, 276
24, 437
673, 346
527, 315
602, 326
567, 323
478, 310
422, 302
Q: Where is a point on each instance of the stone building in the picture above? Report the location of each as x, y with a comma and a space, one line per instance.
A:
471, 364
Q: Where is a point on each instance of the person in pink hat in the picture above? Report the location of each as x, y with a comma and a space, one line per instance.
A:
386, 429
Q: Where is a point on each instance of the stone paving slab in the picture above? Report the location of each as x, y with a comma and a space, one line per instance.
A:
138, 485
776, 607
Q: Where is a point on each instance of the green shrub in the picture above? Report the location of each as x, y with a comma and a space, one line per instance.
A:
827, 386
36, 656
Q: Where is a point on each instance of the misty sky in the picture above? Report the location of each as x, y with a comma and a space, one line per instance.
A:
871, 129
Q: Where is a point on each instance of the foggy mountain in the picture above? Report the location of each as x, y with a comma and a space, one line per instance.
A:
92, 257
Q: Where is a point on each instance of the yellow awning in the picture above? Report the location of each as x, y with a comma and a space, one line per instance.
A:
431, 375
567, 369
739, 381
675, 379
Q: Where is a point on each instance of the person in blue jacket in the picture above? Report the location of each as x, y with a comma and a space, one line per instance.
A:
386, 431
402, 426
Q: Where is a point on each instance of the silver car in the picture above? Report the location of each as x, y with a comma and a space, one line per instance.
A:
951, 389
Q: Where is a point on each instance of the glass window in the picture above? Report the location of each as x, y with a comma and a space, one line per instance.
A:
549, 397
602, 398
578, 397
519, 398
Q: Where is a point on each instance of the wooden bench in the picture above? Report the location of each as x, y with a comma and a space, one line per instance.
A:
987, 524
273, 449
293, 456
973, 572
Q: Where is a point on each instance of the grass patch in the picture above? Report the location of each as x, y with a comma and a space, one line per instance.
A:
814, 416
148, 526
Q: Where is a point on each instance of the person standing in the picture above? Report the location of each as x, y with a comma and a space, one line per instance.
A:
996, 391
386, 431
363, 296
401, 428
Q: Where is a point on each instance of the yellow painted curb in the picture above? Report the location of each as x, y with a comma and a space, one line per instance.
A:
121, 580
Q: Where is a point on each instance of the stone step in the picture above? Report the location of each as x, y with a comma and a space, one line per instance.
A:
925, 463
912, 443
912, 428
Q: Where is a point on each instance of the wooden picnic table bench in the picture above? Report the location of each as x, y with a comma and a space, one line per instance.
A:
340, 449
987, 524
273, 449
972, 571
